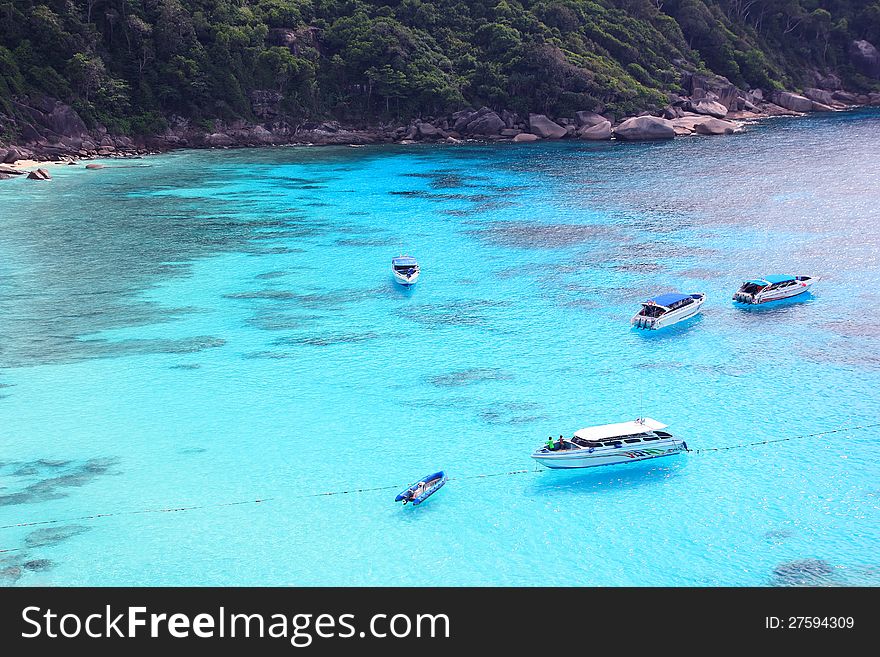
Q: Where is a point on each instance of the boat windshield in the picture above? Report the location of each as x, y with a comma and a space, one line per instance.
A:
405, 267
651, 310
586, 443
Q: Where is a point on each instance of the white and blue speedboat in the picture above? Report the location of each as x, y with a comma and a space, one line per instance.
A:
667, 309
610, 444
773, 288
405, 269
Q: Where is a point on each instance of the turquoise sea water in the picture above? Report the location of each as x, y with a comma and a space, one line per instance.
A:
183, 335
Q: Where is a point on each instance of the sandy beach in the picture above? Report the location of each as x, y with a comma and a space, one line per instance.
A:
30, 165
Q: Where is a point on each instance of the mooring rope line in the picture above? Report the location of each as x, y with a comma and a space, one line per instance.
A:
379, 488
241, 502
700, 450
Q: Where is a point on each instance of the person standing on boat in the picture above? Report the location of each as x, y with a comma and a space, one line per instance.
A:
551, 446
560, 444
413, 493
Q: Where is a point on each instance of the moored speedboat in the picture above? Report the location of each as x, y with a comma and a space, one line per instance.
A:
610, 444
773, 288
405, 269
667, 309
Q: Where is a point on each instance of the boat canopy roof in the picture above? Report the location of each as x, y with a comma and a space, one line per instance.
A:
772, 279
404, 260
668, 299
642, 425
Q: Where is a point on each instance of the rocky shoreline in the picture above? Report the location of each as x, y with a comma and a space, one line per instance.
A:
708, 105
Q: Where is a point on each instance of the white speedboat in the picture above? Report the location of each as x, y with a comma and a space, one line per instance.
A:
610, 444
773, 288
668, 309
405, 269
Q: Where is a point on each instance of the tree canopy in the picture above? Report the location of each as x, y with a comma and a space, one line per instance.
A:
132, 64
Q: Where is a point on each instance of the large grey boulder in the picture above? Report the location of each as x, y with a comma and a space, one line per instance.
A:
715, 127
39, 174
771, 109
845, 97
482, 122
72, 142
708, 107
821, 107
686, 125
218, 139
645, 127
462, 118
339, 137
260, 135
715, 88
427, 130
526, 136
865, 57
830, 81
10, 171
588, 119
487, 124
819, 96
57, 118
545, 128
597, 132
793, 102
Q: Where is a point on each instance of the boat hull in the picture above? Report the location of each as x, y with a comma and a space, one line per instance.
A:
586, 458
670, 318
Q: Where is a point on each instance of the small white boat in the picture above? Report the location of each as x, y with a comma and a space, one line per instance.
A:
405, 269
610, 444
773, 288
668, 309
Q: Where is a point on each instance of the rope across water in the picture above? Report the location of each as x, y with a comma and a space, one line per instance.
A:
399, 486
782, 440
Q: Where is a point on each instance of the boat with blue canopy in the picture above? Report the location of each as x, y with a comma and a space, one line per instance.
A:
423, 488
667, 309
405, 269
773, 288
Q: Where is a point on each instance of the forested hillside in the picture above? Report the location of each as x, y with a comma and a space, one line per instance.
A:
131, 64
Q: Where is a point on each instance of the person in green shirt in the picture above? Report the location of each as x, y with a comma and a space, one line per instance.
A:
550, 444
